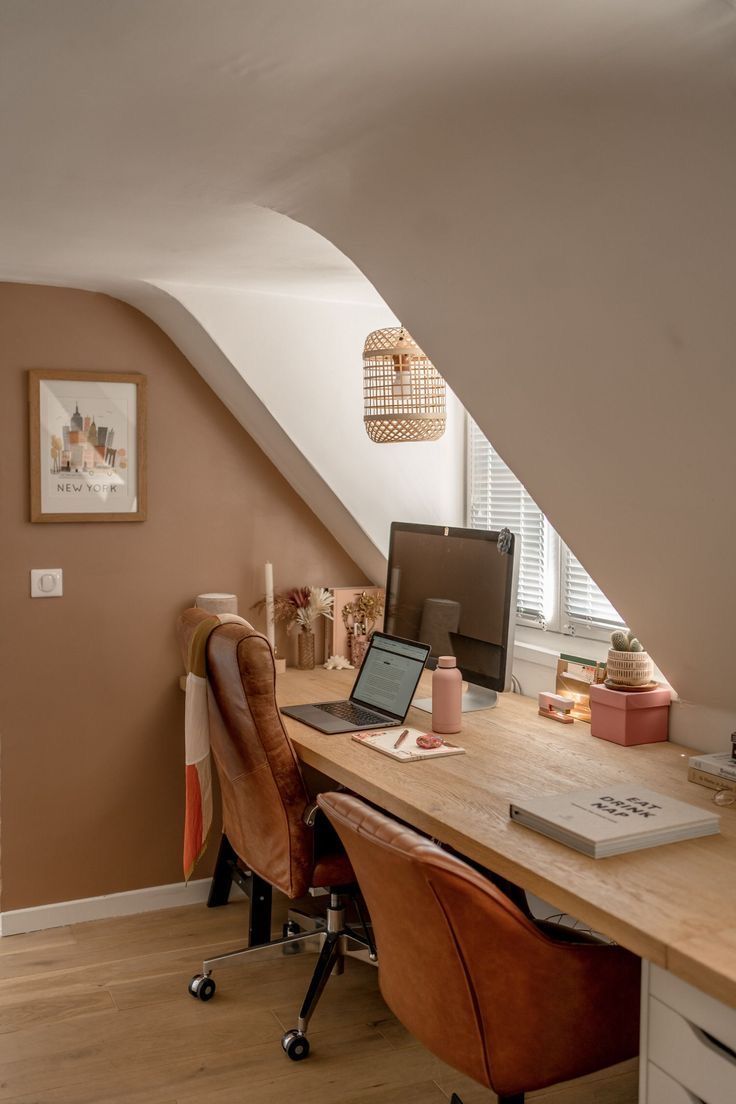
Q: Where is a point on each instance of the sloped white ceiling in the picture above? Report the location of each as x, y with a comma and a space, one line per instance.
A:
543, 192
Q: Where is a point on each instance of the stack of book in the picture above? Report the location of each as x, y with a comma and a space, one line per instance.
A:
717, 772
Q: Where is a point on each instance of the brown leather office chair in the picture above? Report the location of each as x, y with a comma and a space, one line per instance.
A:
480, 984
273, 834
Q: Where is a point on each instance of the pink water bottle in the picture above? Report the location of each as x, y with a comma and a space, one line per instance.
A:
447, 694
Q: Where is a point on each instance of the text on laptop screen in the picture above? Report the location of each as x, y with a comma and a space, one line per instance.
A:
389, 675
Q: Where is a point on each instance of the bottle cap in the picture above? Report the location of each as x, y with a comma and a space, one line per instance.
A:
447, 661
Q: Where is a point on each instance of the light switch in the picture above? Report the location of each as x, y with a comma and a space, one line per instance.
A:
47, 582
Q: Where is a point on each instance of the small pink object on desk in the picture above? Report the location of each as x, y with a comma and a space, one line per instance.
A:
556, 708
629, 717
447, 696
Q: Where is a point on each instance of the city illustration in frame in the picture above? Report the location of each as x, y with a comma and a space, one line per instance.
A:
88, 445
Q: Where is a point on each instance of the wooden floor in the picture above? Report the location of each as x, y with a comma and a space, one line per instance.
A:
98, 1013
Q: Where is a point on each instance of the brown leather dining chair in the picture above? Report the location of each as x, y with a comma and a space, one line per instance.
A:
273, 833
477, 981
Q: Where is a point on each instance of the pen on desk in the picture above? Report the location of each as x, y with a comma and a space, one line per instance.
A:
401, 738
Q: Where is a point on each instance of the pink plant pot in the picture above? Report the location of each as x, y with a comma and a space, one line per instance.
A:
629, 717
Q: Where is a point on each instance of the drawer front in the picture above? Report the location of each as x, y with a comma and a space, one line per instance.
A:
683, 1051
714, 1017
661, 1089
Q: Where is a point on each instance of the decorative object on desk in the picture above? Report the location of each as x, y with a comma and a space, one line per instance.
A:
403, 393
305, 650
447, 696
628, 663
337, 636
88, 445
338, 663
429, 741
575, 676
611, 820
358, 648
636, 716
217, 603
360, 618
301, 607
556, 708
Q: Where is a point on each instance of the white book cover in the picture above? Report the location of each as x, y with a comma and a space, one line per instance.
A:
612, 819
720, 763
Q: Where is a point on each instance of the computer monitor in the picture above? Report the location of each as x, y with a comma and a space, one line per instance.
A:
455, 589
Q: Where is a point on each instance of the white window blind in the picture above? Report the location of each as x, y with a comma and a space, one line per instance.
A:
583, 601
497, 499
554, 588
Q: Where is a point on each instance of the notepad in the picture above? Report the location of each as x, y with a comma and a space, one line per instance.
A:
408, 752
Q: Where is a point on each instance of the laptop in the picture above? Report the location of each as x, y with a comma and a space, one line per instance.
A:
382, 692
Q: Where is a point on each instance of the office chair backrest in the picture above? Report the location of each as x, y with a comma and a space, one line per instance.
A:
470, 975
263, 793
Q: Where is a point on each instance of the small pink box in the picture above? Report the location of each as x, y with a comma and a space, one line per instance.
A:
629, 716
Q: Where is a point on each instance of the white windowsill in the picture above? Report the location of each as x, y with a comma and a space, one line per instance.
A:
543, 647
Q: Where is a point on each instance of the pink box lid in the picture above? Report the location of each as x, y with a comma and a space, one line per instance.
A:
630, 699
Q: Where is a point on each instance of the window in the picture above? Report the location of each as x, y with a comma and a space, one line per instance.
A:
555, 591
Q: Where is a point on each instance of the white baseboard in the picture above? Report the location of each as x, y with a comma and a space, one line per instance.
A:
60, 913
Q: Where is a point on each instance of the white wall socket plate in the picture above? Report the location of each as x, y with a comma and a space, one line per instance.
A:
47, 582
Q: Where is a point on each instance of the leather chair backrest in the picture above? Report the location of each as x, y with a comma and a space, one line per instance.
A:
471, 976
263, 793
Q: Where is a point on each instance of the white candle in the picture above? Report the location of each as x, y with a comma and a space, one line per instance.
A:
270, 633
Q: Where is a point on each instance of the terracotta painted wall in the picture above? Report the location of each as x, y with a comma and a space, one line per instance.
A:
91, 714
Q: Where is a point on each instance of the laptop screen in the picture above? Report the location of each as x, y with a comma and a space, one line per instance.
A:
390, 673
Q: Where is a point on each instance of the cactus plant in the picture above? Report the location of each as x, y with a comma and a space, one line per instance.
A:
628, 664
623, 640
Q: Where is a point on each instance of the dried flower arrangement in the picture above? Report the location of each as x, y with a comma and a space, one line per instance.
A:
360, 616
301, 606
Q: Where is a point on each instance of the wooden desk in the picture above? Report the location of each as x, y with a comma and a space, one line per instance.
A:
671, 905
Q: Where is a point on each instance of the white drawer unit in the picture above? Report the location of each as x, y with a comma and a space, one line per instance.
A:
661, 1089
688, 1044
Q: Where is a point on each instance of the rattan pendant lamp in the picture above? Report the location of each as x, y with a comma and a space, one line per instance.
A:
403, 393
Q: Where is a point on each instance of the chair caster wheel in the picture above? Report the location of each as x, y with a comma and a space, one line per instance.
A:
201, 987
296, 1045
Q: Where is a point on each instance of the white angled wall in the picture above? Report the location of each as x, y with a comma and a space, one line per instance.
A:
302, 357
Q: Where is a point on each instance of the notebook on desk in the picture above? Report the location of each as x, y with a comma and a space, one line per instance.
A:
407, 751
382, 692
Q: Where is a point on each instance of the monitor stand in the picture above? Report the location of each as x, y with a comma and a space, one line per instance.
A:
474, 698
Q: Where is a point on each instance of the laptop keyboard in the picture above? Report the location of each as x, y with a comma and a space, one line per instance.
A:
347, 711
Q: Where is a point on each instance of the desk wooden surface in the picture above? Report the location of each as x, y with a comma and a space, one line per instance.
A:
674, 905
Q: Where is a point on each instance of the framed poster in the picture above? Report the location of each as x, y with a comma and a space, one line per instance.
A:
88, 445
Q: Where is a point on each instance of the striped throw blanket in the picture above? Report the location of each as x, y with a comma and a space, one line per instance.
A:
198, 815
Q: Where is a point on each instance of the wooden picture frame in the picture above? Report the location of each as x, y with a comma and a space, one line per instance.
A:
87, 445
